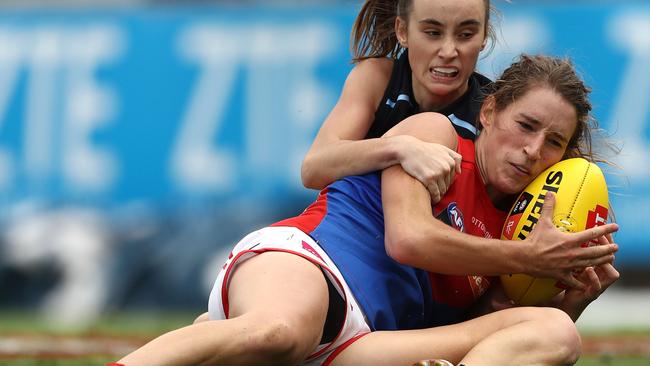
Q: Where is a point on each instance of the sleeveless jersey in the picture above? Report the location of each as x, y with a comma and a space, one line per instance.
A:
347, 221
399, 102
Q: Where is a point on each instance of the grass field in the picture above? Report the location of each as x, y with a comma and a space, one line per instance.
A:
27, 341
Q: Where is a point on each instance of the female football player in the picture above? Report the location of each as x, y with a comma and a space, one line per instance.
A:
367, 275
411, 56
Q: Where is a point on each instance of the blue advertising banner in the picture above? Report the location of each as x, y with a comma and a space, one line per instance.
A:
164, 105
179, 106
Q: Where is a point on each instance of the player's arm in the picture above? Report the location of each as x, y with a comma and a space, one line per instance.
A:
416, 238
339, 149
413, 236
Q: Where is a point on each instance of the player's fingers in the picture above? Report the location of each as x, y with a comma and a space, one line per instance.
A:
606, 259
443, 185
594, 280
602, 240
547, 207
594, 233
607, 273
569, 280
594, 255
448, 176
434, 191
457, 160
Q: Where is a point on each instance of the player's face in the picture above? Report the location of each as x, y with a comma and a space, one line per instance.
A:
524, 139
444, 39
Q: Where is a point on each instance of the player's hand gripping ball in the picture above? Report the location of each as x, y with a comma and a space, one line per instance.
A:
581, 203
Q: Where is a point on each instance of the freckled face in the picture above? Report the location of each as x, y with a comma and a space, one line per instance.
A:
524, 139
444, 39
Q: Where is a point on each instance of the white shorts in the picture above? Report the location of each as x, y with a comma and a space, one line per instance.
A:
294, 241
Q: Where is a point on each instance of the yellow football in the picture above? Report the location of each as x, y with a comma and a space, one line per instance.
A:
581, 203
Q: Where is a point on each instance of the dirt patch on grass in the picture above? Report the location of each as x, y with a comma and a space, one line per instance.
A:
633, 346
61, 347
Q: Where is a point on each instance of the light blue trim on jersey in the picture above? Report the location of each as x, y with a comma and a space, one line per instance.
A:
464, 124
399, 97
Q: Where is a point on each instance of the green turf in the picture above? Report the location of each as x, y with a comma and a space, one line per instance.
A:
151, 324
128, 324
145, 324
613, 361
95, 361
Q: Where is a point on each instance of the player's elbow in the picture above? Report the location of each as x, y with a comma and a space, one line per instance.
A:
402, 244
309, 174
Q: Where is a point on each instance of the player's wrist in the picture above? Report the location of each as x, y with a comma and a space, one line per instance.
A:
518, 257
397, 148
573, 310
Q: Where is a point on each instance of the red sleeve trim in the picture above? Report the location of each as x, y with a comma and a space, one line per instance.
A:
311, 217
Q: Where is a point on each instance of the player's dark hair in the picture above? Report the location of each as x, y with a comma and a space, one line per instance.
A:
373, 32
560, 75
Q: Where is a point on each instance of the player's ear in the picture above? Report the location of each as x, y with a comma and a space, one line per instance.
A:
486, 116
401, 31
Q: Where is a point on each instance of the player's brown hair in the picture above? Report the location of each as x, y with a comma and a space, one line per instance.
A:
373, 32
560, 75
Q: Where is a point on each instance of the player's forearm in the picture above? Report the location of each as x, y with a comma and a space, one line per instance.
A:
438, 248
329, 162
413, 236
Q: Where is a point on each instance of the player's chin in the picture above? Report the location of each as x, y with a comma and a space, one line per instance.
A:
512, 186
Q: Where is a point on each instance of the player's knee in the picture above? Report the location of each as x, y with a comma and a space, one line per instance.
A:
201, 318
282, 342
563, 332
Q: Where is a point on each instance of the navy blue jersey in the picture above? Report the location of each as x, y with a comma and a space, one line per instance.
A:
399, 102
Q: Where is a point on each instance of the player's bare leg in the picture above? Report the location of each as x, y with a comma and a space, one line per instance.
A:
201, 318
517, 336
278, 304
551, 340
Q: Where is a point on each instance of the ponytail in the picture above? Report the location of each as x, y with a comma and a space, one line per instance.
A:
373, 32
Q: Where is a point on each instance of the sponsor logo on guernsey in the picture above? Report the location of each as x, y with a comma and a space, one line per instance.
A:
455, 217
478, 284
481, 226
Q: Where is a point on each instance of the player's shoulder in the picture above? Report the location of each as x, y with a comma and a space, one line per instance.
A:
369, 79
425, 122
427, 126
374, 70
383, 65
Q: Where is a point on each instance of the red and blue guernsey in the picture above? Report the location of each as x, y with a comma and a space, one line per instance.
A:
347, 222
